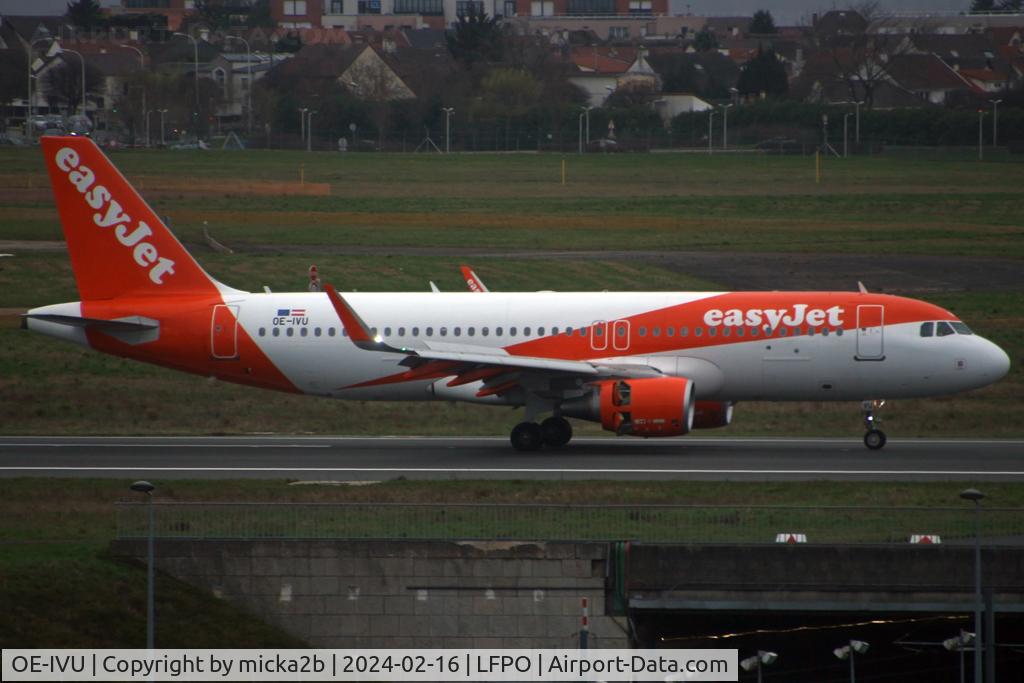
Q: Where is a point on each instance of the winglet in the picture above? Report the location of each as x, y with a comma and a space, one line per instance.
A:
861, 288
474, 283
358, 331
433, 287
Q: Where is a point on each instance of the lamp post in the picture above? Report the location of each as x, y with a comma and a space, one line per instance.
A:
248, 75
981, 117
302, 122
756, 661
975, 496
309, 132
959, 643
162, 112
142, 66
711, 118
725, 126
147, 125
448, 111
856, 134
82, 60
580, 133
147, 488
995, 121
849, 651
28, 103
846, 123
195, 72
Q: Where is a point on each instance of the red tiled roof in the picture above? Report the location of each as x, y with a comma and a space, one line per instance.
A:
984, 75
603, 60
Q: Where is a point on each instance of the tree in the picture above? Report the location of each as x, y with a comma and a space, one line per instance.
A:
982, 6
85, 14
260, 15
763, 74
64, 82
705, 41
476, 38
12, 75
763, 22
862, 60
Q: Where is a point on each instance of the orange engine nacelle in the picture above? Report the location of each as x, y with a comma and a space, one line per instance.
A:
712, 414
659, 406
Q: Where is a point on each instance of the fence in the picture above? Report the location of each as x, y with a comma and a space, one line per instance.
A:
642, 523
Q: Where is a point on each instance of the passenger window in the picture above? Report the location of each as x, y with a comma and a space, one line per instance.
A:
583, 332
754, 331
782, 331
568, 332
373, 331
277, 332
643, 331
526, 331
344, 332
444, 331
291, 331
554, 330
620, 331
415, 331
712, 331
316, 332
484, 331
401, 331
430, 331
457, 331
740, 331
697, 331
599, 331
304, 332
511, 331
683, 331
471, 331
726, 331
387, 331
670, 331
263, 332
824, 332
961, 328
656, 332
839, 332
943, 329
540, 331
497, 331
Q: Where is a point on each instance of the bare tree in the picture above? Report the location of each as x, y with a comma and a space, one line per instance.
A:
862, 57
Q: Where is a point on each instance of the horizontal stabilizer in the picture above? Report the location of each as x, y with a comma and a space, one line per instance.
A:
133, 324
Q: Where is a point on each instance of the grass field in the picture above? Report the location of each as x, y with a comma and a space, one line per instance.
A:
502, 203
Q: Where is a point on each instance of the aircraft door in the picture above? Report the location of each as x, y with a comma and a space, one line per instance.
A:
224, 332
870, 332
620, 335
599, 335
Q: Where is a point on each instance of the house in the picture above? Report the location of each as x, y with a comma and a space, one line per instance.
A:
601, 70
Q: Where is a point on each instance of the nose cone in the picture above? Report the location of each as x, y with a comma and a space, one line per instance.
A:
995, 364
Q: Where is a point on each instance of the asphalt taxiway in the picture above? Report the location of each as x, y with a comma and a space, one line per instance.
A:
381, 458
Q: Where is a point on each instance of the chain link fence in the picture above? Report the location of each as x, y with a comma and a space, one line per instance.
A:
641, 523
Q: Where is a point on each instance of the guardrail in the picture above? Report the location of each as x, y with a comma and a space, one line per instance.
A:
641, 523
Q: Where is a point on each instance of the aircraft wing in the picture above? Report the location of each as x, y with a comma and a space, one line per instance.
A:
495, 367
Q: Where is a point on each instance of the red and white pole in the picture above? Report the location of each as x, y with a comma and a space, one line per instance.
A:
584, 623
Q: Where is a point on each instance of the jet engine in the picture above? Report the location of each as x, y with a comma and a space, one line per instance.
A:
658, 406
712, 414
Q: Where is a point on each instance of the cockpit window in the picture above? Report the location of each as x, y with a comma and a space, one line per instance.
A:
927, 329
943, 329
961, 328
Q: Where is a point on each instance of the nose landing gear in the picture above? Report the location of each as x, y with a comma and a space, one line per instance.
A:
874, 438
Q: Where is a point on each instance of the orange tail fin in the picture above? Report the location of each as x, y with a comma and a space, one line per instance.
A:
117, 244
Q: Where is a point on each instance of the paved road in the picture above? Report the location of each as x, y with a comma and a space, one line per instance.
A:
371, 459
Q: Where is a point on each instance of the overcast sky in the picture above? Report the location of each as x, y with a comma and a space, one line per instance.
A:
784, 11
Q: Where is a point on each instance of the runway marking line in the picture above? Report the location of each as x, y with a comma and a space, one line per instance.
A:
467, 470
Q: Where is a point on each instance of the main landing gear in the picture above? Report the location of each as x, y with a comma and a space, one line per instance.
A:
553, 432
874, 438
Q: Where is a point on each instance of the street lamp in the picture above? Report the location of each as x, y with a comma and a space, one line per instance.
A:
756, 661
995, 121
248, 75
846, 122
309, 132
959, 643
28, 103
711, 118
856, 135
147, 488
82, 60
195, 70
448, 111
725, 126
302, 123
975, 496
981, 117
162, 112
848, 651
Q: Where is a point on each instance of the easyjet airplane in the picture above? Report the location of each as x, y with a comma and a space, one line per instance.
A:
650, 364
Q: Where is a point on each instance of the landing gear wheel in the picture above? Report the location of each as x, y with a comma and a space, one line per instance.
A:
526, 436
555, 432
874, 439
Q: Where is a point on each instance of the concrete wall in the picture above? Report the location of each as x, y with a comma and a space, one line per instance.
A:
349, 594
